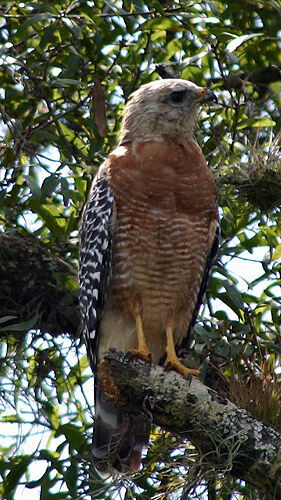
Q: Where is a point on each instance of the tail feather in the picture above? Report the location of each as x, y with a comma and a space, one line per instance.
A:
119, 438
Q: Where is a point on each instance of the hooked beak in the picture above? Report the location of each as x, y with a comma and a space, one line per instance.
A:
206, 95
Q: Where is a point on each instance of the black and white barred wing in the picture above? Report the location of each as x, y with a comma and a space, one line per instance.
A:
95, 260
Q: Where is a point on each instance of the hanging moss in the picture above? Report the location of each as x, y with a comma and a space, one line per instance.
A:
258, 180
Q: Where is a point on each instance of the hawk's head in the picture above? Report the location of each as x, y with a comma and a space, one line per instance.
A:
164, 107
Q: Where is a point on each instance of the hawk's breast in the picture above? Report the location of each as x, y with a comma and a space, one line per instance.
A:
165, 198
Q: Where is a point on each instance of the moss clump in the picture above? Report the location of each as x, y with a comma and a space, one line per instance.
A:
257, 179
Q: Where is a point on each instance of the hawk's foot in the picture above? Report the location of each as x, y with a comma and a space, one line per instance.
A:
143, 354
173, 363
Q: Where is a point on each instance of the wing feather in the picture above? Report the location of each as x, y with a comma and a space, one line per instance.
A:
96, 237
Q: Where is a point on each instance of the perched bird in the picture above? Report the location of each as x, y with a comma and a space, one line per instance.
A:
149, 237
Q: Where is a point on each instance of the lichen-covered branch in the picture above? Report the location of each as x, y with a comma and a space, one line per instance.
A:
225, 433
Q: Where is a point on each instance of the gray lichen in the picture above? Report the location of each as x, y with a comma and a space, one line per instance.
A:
231, 437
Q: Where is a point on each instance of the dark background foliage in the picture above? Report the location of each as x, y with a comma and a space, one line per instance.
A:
66, 70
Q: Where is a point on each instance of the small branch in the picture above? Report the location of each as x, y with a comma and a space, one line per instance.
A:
229, 436
164, 72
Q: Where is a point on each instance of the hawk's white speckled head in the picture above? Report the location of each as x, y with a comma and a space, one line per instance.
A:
163, 108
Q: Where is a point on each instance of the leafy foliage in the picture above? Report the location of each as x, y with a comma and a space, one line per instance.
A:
60, 62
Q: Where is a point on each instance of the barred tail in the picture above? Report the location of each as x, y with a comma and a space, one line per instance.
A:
119, 438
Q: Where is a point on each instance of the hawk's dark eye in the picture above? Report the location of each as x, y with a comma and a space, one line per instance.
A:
177, 95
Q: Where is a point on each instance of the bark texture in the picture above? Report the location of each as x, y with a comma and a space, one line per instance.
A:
225, 433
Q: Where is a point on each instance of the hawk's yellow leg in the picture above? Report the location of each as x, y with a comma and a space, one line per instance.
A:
142, 350
172, 362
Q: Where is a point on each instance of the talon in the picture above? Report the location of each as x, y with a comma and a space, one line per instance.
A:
168, 366
175, 364
140, 354
172, 361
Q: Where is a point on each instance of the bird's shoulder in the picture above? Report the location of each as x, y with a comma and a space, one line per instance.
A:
159, 166
177, 154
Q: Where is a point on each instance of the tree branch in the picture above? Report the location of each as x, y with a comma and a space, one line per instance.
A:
225, 433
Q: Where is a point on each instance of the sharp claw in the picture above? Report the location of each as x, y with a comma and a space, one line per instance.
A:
135, 353
188, 373
128, 355
168, 365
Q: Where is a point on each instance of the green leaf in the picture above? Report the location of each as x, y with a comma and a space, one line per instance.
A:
18, 327
231, 46
277, 253
17, 470
262, 121
53, 415
233, 58
73, 435
48, 455
11, 419
234, 294
62, 82
72, 26
38, 18
32, 183
188, 60
77, 370
48, 36
160, 23
240, 327
49, 185
4, 319
71, 477
213, 7
65, 190
50, 215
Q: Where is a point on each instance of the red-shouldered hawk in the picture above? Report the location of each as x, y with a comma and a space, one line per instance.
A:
148, 239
